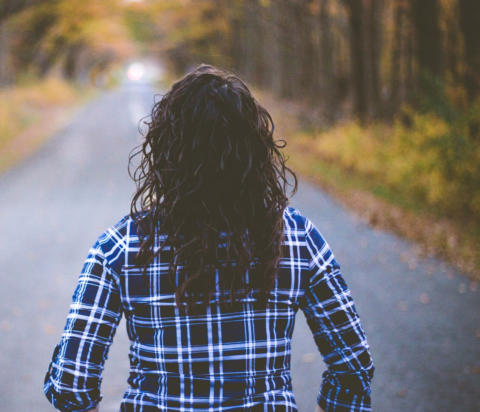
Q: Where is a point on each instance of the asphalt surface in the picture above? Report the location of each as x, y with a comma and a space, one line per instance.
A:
421, 317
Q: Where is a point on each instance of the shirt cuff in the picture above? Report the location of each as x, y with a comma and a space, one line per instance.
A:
337, 399
66, 400
62, 402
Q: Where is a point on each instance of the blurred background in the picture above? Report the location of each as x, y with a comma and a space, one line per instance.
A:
384, 93
379, 102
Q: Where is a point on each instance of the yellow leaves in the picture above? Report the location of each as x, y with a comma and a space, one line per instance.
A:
264, 3
314, 7
108, 36
201, 27
421, 155
205, 20
351, 146
434, 181
89, 22
49, 92
95, 27
19, 105
416, 153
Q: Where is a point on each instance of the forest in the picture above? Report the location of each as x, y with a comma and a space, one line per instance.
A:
389, 89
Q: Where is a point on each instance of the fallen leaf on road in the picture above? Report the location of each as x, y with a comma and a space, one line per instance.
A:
412, 264
381, 258
49, 329
424, 298
401, 392
402, 306
308, 357
462, 288
16, 311
473, 286
5, 325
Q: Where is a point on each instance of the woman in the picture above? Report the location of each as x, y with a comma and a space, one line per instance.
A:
209, 271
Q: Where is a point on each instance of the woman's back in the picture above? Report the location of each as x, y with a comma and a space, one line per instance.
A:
208, 223
222, 358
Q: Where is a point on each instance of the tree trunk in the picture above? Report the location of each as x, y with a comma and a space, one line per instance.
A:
470, 26
5, 72
306, 49
327, 84
357, 51
395, 68
428, 45
373, 57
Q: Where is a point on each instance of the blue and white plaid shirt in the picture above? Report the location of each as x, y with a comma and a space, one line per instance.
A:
222, 360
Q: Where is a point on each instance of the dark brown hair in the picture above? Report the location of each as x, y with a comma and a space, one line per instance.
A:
211, 175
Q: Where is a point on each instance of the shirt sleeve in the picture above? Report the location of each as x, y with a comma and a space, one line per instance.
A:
72, 382
334, 321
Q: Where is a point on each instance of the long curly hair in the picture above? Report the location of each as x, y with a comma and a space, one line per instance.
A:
212, 181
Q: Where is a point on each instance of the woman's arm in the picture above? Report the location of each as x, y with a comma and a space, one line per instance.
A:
72, 382
334, 321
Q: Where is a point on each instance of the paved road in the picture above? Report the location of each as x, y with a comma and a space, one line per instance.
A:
421, 318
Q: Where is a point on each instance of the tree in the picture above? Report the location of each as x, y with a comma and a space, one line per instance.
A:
428, 41
357, 51
470, 26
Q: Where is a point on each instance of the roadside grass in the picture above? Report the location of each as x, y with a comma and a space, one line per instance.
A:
33, 110
393, 176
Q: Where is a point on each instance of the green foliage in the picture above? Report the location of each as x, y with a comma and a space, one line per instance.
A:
441, 158
432, 96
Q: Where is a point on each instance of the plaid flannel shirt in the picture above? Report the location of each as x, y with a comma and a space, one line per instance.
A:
221, 359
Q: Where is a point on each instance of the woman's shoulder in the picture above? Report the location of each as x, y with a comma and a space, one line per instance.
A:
295, 219
114, 241
119, 229
124, 226
122, 232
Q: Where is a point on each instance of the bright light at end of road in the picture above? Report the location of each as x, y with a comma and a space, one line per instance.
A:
135, 71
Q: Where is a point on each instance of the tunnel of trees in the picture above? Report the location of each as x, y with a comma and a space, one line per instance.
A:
361, 57
390, 88
349, 60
